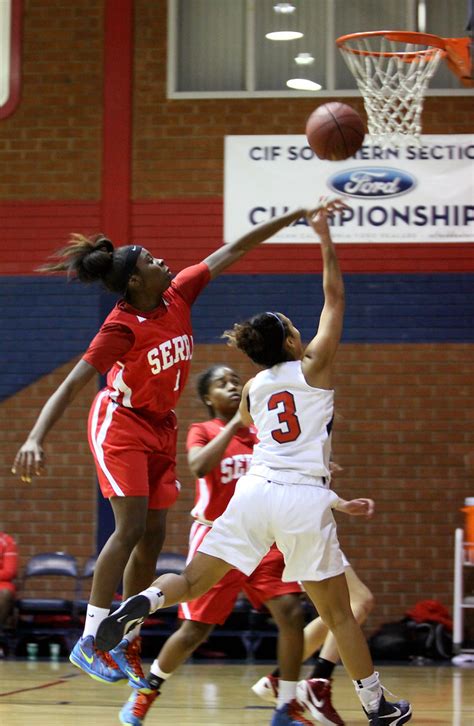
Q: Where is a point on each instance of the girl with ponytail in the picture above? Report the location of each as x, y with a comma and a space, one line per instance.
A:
145, 348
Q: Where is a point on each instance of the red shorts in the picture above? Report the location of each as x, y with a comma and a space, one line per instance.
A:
263, 584
133, 457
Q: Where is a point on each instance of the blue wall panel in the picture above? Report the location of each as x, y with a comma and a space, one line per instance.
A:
46, 321
379, 308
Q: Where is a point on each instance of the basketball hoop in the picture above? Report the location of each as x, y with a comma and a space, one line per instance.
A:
392, 70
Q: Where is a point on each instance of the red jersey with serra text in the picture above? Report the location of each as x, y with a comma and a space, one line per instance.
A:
216, 488
148, 354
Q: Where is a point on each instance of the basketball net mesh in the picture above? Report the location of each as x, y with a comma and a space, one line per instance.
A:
393, 83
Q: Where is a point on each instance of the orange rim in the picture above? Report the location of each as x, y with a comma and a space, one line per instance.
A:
402, 36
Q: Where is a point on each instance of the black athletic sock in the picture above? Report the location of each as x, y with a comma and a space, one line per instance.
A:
276, 673
155, 681
322, 668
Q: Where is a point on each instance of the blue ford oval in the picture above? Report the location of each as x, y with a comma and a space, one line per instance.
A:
371, 182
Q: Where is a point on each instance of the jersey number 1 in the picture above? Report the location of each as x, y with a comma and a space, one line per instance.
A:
286, 416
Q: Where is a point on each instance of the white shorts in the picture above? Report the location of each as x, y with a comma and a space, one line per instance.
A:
297, 517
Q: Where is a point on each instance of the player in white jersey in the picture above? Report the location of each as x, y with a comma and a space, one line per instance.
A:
285, 497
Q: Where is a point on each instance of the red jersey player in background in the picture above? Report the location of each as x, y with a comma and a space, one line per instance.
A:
8, 572
145, 344
219, 452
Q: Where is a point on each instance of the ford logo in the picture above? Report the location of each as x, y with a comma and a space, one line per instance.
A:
369, 182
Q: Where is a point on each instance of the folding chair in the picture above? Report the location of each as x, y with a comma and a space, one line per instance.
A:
40, 611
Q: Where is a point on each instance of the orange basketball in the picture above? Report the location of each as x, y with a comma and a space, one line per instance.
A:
335, 131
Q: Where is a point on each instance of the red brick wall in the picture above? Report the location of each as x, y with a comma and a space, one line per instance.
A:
54, 512
51, 145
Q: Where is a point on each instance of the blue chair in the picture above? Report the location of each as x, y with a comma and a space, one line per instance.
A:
46, 611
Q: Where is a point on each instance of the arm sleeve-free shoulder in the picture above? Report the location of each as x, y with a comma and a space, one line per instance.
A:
191, 281
197, 436
110, 344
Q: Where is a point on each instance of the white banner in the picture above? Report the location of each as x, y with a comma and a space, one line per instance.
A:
412, 194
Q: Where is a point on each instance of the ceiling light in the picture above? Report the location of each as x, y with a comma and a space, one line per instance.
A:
303, 84
284, 25
304, 59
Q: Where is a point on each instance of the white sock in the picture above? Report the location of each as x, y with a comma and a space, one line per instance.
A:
132, 634
369, 691
286, 692
156, 670
155, 596
94, 617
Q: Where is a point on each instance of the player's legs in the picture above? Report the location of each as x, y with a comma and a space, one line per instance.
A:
316, 634
264, 587
130, 515
130, 518
239, 538
331, 599
315, 692
182, 644
288, 615
141, 566
198, 577
7, 600
174, 652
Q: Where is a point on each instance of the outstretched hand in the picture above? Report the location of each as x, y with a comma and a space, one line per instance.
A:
319, 215
357, 507
29, 461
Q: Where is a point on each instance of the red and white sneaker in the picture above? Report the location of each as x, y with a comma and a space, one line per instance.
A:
267, 689
315, 695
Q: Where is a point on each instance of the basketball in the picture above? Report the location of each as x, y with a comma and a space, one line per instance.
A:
335, 131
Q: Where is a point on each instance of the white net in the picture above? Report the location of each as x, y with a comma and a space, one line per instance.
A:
392, 76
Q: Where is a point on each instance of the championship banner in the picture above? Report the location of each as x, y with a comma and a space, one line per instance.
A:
413, 194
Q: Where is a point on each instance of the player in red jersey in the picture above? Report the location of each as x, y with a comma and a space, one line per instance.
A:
8, 572
219, 452
145, 344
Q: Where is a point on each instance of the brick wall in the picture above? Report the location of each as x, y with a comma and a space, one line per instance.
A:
51, 145
57, 511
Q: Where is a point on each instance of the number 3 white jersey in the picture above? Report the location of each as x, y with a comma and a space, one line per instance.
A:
294, 422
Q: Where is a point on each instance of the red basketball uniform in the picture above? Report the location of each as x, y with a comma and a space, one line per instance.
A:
132, 425
8, 562
213, 493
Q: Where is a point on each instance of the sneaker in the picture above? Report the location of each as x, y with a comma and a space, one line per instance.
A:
267, 688
131, 613
136, 708
389, 714
95, 663
127, 656
315, 695
291, 714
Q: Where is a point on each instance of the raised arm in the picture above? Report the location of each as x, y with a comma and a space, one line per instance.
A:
245, 415
202, 459
230, 253
319, 355
30, 458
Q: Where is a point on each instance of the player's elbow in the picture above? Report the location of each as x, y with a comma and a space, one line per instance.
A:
335, 297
